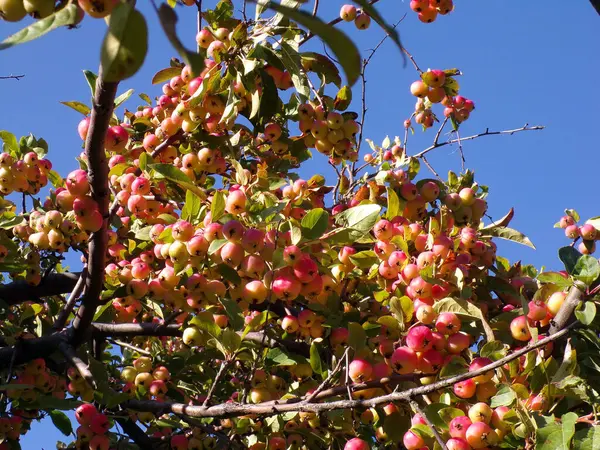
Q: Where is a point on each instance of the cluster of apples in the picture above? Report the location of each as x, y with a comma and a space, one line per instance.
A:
434, 87
39, 381
587, 232
428, 10
27, 175
330, 133
143, 379
349, 13
93, 428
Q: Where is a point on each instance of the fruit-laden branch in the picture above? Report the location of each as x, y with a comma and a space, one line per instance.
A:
487, 132
52, 284
104, 102
234, 410
151, 329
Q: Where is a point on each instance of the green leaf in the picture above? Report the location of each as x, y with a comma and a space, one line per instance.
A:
229, 273
172, 173
315, 359
508, 234
66, 16
61, 421
494, 350
504, 397
191, 208
122, 99
360, 218
587, 439
391, 31
572, 213
504, 221
557, 436
206, 322
91, 78
393, 204
314, 223
78, 106
293, 63
10, 144
364, 259
217, 208
168, 20
357, 337
323, 66
569, 256
449, 413
555, 278
278, 357
586, 270
233, 311
587, 315
165, 75
125, 44
395, 425
343, 99
342, 46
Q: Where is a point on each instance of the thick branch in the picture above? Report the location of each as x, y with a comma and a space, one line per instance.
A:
77, 362
236, 409
136, 434
565, 313
150, 329
61, 320
98, 177
29, 349
52, 284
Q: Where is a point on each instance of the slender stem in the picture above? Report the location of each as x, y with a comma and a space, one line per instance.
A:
69, 352
315, 8
435, 432
12, 77
141, 351
220, 373
327, 380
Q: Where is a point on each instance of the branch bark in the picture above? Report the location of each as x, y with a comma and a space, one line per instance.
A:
61, 320
52, 284
104, 102
565, 313
236, 409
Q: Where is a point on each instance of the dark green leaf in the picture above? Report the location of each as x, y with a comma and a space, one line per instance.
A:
322, 65
569, 256
168, 20
587, 439
292, 62
172, 173
61, 421
357, 337
344, 49
315, 359
125, 44
66, 16
504, 397
229, 274
233, 311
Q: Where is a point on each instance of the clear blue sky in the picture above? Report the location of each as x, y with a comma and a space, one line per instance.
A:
522, 63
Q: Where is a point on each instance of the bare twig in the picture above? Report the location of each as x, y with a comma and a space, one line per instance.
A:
347, 360
61, 320
199, 16
327, 380
141, 351
315, 8
430, 167
220, 373
412, 60
487, 132
12, 77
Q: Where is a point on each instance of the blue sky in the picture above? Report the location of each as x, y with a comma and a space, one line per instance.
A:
522, 63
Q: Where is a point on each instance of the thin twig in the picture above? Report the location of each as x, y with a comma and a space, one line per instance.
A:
347, 360
199, 16
327, 380
439, 131
12, 77
430, 167
69, 352
487, 132
435, 432
220, 373
315, 8
130, 347
412, 60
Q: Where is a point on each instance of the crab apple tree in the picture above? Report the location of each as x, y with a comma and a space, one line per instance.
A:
223, 301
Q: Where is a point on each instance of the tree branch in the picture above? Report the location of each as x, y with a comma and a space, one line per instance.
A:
52, 284
61, 320
136, 434
69, 352
12, 77
596, 5
237, 409
565, 313
98, 177
435, 432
